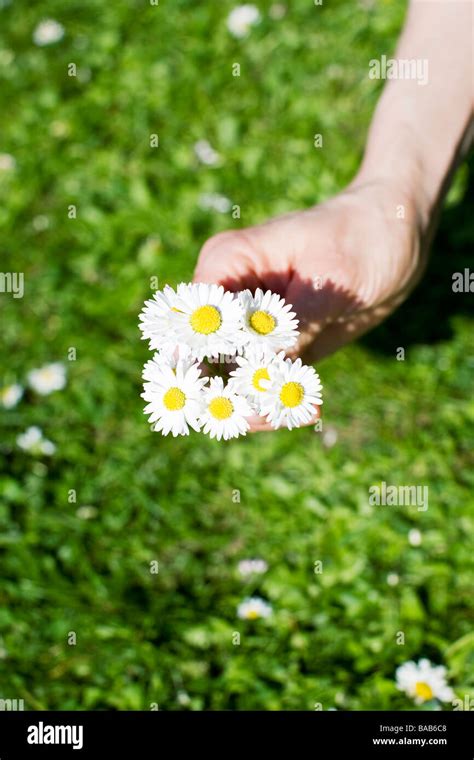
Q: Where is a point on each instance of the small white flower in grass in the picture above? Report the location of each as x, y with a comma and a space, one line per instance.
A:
292, 395
241, 19
173, 391
423, 681
158, 321
32, 441
248, 567
329, 437
252, 378
7, 162
40, 223
224, 411
183, 698
10, 395
47, 447
254, 608
393, 579
208, 320
268, 321
414, 537
47, 379
47, 32
277, 11
86, 512
215, 202
205, 153
30, 438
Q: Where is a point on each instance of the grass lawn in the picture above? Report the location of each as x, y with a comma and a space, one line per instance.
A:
80, 529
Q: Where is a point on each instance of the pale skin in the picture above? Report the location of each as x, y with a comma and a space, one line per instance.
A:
346, 264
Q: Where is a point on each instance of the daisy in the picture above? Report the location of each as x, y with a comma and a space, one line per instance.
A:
173, 391
86, 512
247, 567
183, 698
294, 390
414, 537
393, 579
330, 437
253, 608
11, 395
268, 320
40, 223
241, 19
32, 441
423, 681
208, 320
30, 438
215, 202
224, 412
7, 162
277, 11
252, 378
158, 322
205, 153
45, 380
47, 447
47, 32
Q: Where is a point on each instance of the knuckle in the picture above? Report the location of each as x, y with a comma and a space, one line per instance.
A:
228, 240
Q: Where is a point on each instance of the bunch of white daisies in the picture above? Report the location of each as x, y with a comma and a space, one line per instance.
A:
199, 322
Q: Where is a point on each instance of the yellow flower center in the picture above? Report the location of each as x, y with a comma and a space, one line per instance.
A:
252, 615
262, 322
174, 399
205, 320
221, 408
423, 691
260, 374
291, 394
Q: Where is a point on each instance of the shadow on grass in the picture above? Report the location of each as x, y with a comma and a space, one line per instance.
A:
426, 315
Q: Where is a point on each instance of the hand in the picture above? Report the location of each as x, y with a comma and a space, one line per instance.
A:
344, 265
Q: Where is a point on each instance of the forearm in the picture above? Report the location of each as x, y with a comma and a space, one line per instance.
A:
419, 131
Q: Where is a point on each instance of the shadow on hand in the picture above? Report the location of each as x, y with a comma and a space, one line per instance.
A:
314, 302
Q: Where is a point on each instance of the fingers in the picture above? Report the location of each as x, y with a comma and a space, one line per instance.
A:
339, 333
228, 259
326, 311
260, 425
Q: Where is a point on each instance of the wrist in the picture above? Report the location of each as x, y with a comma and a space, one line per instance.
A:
412, 160
404, 183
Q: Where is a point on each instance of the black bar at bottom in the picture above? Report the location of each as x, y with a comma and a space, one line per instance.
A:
374, 734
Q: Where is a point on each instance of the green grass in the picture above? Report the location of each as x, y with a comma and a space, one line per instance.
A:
147, 638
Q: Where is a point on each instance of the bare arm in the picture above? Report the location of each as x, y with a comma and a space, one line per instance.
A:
367, 256
419, 131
